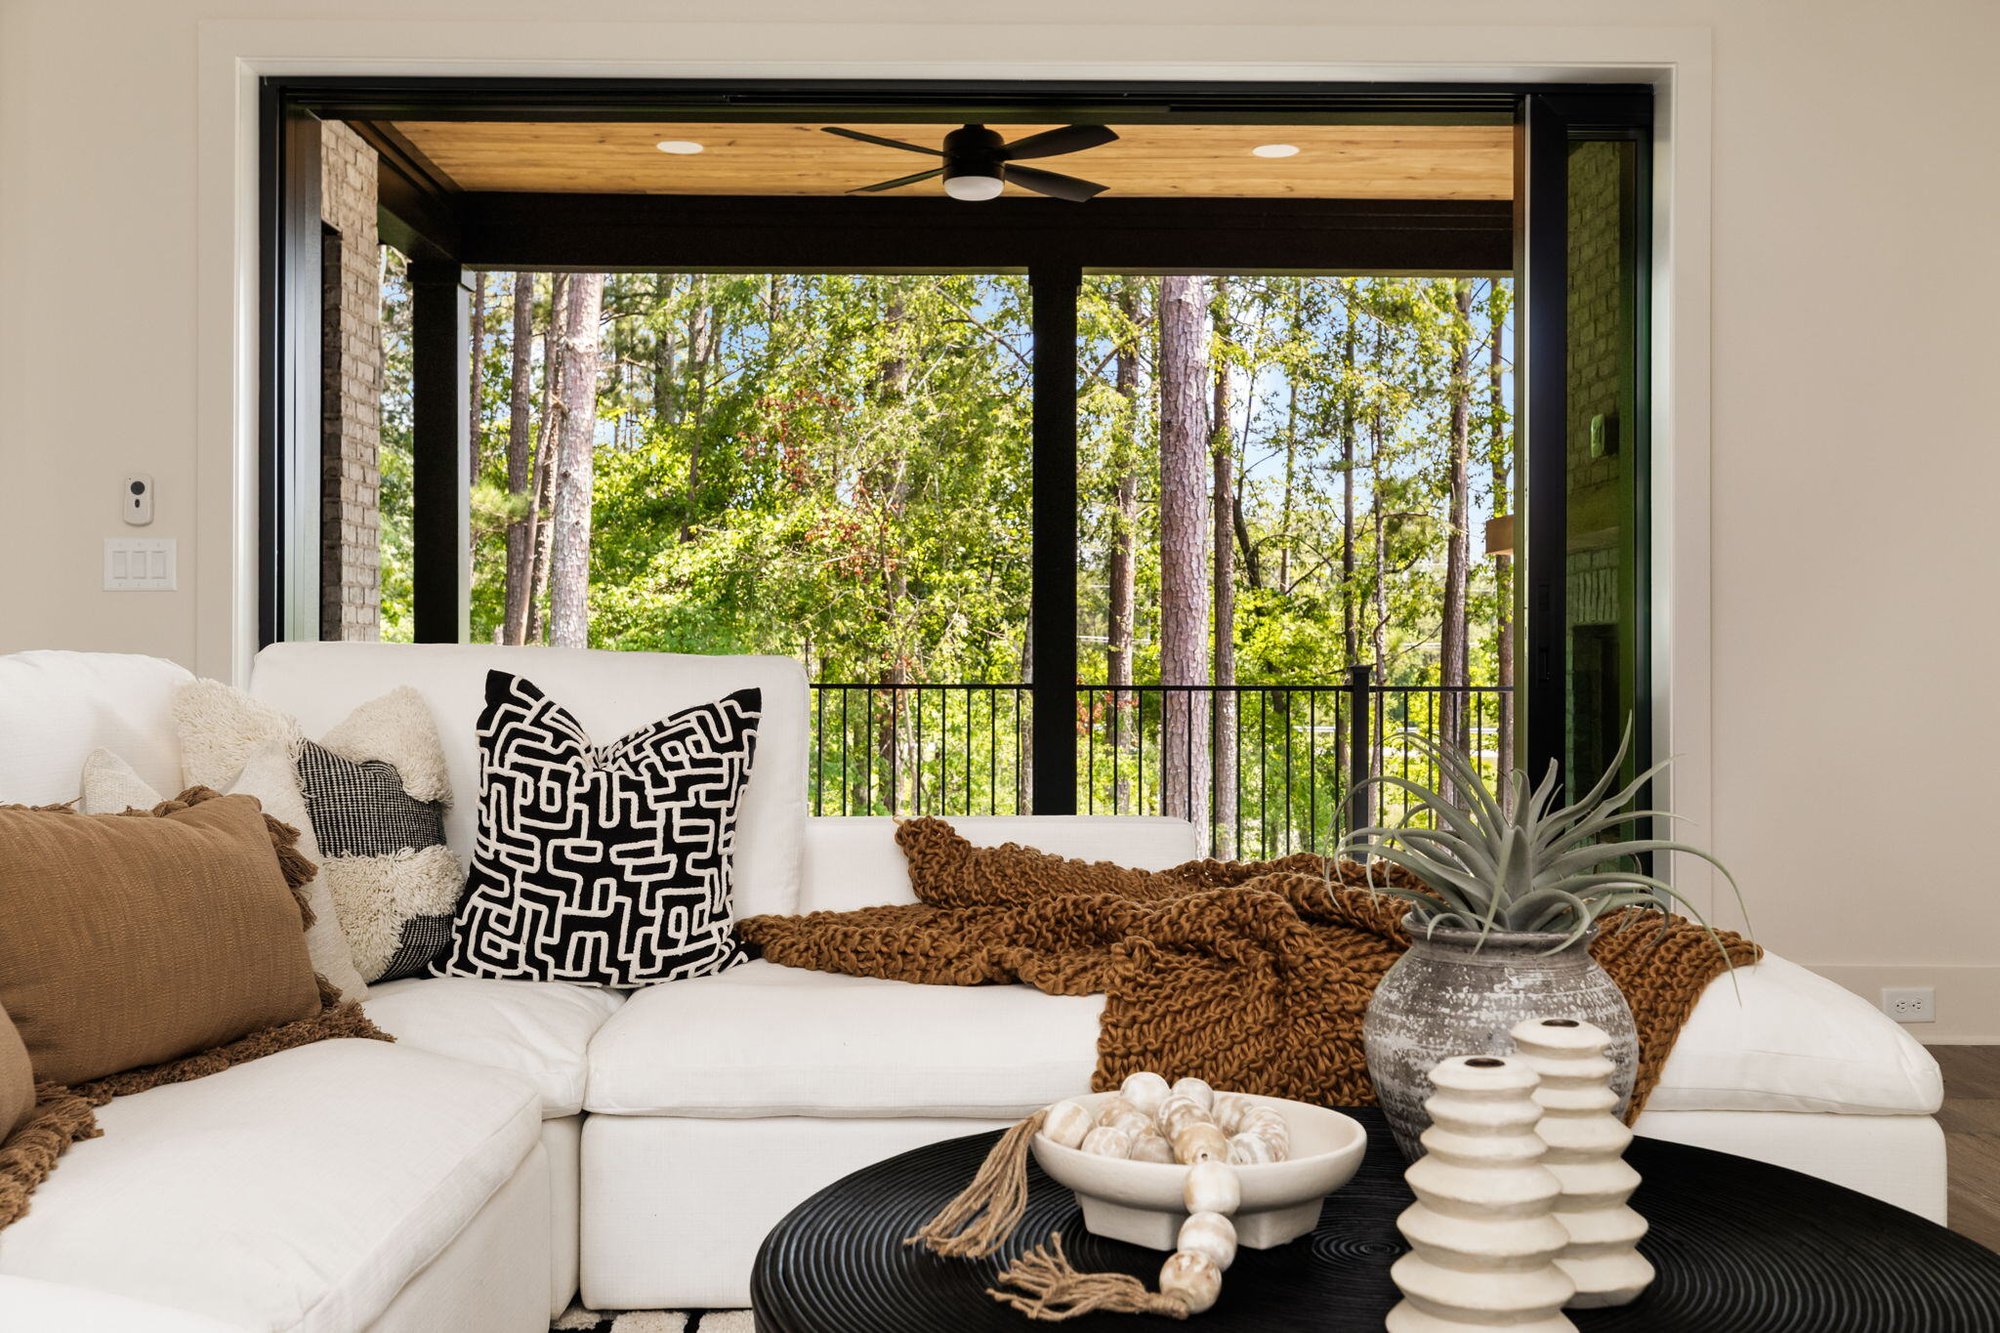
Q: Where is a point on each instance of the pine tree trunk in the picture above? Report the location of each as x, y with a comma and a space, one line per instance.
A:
1349, 408
569, 554
540, 528
892, 378
1503, 565
520, 459
1452, 647
1378, 529
1125, 523
1184, 433
1222, 450
476, 418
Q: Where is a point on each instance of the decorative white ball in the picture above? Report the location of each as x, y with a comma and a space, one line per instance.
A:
1200, 1142
1177, 1113
1210, 1234
1229, 1110
1195, 1089
1145, 1090
1113, 1108
1107, 1142
1152, 1147
1269, 1126
1212, 1187
1067, 1123
1134, 1123
1194, 1278
1251, 1150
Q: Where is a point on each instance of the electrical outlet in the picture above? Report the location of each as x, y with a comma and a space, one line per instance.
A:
1910, 1004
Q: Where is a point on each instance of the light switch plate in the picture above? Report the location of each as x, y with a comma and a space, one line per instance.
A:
140, 564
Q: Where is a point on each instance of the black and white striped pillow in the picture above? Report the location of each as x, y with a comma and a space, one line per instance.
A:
603, 864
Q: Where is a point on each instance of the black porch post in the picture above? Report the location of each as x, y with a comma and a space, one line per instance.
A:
1052, 612
289, 422
1542, 262
440, 482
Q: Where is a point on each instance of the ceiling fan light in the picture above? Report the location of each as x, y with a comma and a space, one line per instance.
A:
678, 147
1275, 150
972, 189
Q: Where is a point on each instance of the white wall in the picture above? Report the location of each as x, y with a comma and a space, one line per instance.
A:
1840, 606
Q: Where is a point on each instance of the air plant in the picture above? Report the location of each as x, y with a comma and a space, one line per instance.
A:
1523, 865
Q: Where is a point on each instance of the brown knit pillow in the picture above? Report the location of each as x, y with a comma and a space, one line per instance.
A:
129, 940
17, 1077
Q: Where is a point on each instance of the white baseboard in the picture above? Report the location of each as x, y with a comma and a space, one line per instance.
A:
1968, 996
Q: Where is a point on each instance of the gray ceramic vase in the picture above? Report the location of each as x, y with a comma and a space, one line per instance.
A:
1445, 998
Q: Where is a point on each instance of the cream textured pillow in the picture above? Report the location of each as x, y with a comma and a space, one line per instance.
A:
374, 789
111, 786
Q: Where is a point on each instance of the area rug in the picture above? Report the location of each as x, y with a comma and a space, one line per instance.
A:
577, 1319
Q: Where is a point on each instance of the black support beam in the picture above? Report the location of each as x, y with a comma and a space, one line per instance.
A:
288, 551
1052, 611
682, 233
440, 313
1542, 450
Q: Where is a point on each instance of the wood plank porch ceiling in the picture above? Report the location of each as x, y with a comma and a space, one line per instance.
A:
794, 159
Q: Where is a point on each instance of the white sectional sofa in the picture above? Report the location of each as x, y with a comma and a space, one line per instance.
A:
522, 1139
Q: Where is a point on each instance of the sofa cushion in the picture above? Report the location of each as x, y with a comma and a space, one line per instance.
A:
764, 1040
853, 861
540, 1030
302, 1190
55, 708
28, 1304
1794, 1041
610, 693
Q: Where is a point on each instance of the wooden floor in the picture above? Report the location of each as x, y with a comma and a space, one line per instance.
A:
1971, 1120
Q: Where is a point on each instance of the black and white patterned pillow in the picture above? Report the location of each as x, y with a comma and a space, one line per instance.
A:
608, 865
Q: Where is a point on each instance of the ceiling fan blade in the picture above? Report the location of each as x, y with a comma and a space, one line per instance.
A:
898, 183
1049, 183
1068, 139
878, 139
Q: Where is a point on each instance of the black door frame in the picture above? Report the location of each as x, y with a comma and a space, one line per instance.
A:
445, 231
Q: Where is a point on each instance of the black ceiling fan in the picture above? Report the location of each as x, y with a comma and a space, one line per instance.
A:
977, 161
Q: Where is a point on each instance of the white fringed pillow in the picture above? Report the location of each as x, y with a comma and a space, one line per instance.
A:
375, 789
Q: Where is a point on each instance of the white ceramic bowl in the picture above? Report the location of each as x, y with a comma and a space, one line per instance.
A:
1140, 1202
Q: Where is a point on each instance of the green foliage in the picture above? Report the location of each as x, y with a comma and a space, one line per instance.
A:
838, 468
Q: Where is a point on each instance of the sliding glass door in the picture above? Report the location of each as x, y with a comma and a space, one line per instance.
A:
1585, 594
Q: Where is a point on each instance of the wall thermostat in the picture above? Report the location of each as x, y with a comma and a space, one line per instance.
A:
137, 499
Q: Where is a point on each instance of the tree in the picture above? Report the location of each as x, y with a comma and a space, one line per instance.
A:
540, 528
569, 556
1124, 525
1454, 626
1500, 457
520, 459
1184, 440
1222, 449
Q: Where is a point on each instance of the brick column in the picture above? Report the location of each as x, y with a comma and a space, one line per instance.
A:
351, 351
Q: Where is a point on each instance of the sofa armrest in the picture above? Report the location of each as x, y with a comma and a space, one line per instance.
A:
853, 861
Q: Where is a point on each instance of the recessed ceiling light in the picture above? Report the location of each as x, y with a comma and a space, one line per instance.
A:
680, 147
1275, 150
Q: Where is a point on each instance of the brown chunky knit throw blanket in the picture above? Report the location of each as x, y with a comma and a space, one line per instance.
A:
1253, 975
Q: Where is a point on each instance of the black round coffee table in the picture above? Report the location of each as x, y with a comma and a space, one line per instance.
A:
1741, 1247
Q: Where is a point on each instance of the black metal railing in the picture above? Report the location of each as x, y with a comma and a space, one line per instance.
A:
1264, 770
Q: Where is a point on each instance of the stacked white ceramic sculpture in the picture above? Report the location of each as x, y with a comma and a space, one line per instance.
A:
1483, 1232
1586, 1146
